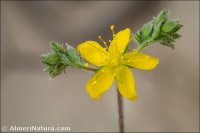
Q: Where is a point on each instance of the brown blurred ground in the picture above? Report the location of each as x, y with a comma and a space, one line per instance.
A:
168, 96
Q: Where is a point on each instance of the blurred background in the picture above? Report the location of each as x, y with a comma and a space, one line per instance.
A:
168, 95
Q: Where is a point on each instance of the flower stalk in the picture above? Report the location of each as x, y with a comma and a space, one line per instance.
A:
120, 112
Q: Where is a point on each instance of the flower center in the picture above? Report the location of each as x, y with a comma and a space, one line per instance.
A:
115, 60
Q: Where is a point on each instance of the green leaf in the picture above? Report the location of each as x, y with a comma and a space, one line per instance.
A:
167, 44
55, 70
74, 55
56, 47
162, 16
147, 30
171, 26
157, 29
176, 36
65, 59
138, 38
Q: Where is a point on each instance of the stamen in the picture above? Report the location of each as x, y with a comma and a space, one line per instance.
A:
132, 36
112, 27
103, 42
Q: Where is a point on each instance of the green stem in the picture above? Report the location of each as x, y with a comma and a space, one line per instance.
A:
89, 68
139, 49
142, 46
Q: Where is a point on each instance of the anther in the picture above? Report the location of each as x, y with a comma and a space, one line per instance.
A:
94, 82
112, 27
86, 65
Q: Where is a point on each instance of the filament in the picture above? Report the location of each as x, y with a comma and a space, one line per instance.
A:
103, 42
112, 27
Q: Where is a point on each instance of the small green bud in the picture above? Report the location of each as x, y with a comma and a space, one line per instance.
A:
50, 58
60, 57
160, 29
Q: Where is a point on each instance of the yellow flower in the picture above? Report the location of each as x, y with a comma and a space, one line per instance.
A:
114, 64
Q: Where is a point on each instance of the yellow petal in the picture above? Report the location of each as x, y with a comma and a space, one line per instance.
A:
100, 82
125, 82
120, 42
93, 53
140, 60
